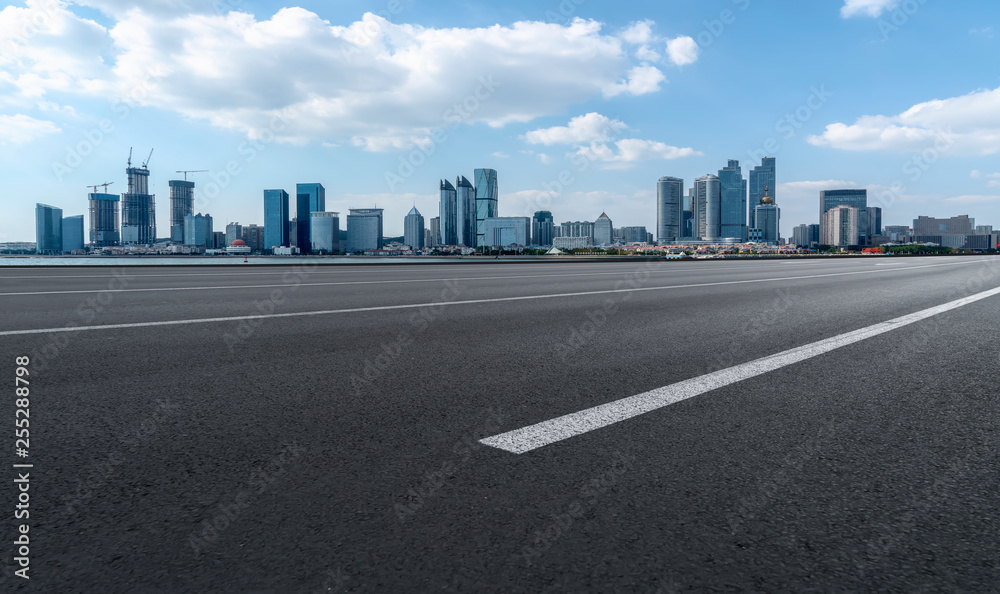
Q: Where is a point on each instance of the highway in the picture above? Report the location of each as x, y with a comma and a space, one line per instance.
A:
661, 427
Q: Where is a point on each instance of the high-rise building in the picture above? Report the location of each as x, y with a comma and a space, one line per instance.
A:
138, 209
72, 233
48, 229
275, 220
801, 236
234, 231
688, 228
487, 200
219, 240
198, 231
762, 177
435, 229
465, 202
428, 238
253, 236
181, 205
449, 213
855, 198
506, 231
733, 201
708, 207
669, 209
873, 225
364, 229
324, 232
104, 230
541, 228
583, 229
767, 220
309, 198
604, 230
413, 229
961, 225
841, 226
632, 235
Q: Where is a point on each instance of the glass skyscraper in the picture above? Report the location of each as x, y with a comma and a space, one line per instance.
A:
48, 229
449, 214
104, 230
72, 233
855, 198
275, 219
669, 209
763, 177
413, 229
181, 205
364, 229
733, 202
487, 201
708, 211
465, 212
324, 232
199, 231
541, 228
604, 230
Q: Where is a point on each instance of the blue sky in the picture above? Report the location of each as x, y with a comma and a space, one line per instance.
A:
579, 105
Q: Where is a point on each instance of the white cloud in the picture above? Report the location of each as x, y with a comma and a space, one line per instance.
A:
969, 124
19, 129
682, 50
639, 33
501, 155
979, 175
640, 80
592, 127
972, 199
632, 150
646, 54
871, 8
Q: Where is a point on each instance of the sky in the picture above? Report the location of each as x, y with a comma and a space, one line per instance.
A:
579, 105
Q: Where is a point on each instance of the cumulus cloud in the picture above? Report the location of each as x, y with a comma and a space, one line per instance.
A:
592, 127
19, 129
682, 50
632, 150
372, 83
870, 8
969, 124
638, 33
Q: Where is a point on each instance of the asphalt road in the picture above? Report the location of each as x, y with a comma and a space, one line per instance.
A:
334, 443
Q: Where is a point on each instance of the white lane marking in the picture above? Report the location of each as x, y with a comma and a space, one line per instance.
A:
546, 433
444, 303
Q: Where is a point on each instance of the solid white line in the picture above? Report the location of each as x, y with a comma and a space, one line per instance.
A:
546, 433
444, 303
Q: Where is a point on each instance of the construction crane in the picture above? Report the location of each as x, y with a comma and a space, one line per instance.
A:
191, 171
104, 185
148, 159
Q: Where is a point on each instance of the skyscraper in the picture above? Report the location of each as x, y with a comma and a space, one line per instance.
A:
72, 233
435, 229
708, 200
324, 232
449, 213
669, 209
138, 209
181, 205
855, 198
234, 231
253, 235
873, 225
541, 228
104, 230
275, 219
762, 177
48, 229
487, 200
841, 226
604, 230
364, 229
413, 229
466, 212
506, 231
767, 217
733, 201
198, 231
309, 198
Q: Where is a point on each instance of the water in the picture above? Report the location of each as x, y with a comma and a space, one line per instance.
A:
202, 260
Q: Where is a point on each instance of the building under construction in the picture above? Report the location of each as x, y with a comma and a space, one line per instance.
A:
104, 230
138, 207
181, 205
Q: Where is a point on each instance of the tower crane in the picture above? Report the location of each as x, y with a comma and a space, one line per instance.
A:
191, 171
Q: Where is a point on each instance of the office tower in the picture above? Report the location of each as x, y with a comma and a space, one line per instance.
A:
198, 231
48, 229
584, 229
138, 209
324, 232
435, 231
800, 236
465, 212
688, 228
767, 219
293, 232
854, 198
814, 233
253, 236
541, 228
309, 198
449, 213
733, 202
413, 229
841, 226
487, 200
556, 231
72, 233
603, 230
234, 231
634, 235
506, 231
669, 209
181, 205
275, 219
364, 229
219, 240
708, 198
762, 177
104, 230
873, 225
961, 225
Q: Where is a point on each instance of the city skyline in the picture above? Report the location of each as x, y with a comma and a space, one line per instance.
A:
641, 106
